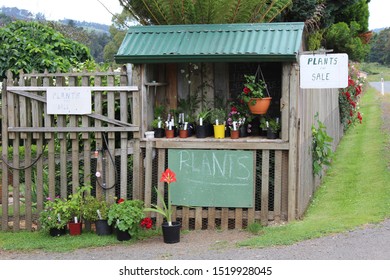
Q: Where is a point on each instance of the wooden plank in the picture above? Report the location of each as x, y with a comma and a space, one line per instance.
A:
16, 183
36, 110
198, 218
211, 218
136, 113
278, 186
92, 88
265, 187
4, 153
112, 174
225, 218
148, 174
238, 218
124, 115
185, 218
222, 144
71, 129
137, 171
293, 152
98, 109
251, 211
73, 122
285, 101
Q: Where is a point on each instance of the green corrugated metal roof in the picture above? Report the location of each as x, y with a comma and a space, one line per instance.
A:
211, 42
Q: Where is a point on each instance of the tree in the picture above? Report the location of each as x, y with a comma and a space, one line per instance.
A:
159, 12
111, 48
380, 47
344, 39
35, 46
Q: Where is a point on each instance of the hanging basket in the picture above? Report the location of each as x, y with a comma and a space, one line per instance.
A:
259, 106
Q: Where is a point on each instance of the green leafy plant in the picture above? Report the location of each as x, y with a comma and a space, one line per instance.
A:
126, 215
218, 114
93, 207
270, 123
252, 88
321, 147
55, 214
75, 203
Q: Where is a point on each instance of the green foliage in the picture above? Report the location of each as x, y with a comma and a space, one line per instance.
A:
273, 124
321, 147
35, 46
380, 47
218, 114
91, 206
344, 39
349, 98
159, 12
126, 216
314, 41
54, 215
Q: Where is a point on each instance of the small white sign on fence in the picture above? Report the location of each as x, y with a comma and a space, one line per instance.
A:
68, 100
324, 71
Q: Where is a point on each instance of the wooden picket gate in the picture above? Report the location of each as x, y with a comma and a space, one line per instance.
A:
51, 155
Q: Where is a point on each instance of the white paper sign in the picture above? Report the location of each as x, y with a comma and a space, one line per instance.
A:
68, 100
324, 71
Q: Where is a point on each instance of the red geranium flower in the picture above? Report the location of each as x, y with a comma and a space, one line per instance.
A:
147, 223
246, 90
120, 200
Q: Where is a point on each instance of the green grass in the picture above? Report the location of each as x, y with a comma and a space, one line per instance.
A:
376, 72
28, 241
355, 191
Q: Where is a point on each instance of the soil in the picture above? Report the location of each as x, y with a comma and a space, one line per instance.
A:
370, 242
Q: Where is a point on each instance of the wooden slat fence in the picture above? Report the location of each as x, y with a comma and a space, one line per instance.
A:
52, 154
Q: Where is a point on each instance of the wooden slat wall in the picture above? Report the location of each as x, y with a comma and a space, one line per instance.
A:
325, 102
74, 152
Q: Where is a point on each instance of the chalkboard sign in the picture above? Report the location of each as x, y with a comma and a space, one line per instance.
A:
212, 178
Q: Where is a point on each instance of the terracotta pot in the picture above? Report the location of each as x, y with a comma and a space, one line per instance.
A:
234, 134
259, 106
169, 133
183, 133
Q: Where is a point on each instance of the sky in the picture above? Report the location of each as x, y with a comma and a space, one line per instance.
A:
93, 11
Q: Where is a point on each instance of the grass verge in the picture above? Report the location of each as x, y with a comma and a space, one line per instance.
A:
355, 190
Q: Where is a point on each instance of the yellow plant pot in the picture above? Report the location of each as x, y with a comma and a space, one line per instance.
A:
219, 131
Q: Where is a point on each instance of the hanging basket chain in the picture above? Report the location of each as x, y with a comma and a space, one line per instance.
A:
262, 77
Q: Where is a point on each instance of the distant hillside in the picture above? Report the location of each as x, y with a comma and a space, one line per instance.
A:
16, 13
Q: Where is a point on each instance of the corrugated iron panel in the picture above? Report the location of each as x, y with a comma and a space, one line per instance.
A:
211, 42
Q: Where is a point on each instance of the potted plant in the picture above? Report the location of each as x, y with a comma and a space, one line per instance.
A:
96, 211
125, 216
253, 94
74, 205
272, 126
235, 121
158, 127
158, 123
218, 116
183, 130
203, 124
170, 229
54, 217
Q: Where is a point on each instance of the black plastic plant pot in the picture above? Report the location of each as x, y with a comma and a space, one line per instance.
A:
202, 131
102, 227
159, 132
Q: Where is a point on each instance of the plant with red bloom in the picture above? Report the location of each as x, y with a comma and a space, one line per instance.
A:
253, 88
147, 223
349, 98
120, 200
168, 176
